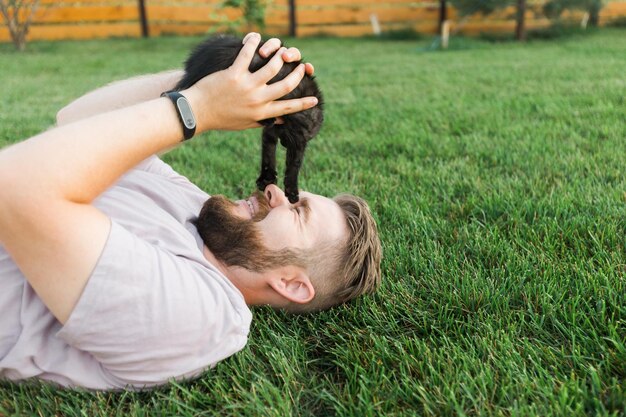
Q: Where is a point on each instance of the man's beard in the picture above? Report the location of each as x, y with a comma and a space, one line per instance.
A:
238, 242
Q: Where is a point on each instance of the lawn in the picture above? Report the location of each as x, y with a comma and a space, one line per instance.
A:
496, 174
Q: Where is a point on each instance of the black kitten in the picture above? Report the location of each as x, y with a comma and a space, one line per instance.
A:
218, 53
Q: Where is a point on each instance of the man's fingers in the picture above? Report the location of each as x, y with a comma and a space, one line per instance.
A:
282, 107
269, 47
292, 55
246, 54
286, 85
245, 38
269, 70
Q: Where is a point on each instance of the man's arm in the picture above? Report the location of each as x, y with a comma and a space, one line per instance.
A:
135, 90
47, 183
119, 94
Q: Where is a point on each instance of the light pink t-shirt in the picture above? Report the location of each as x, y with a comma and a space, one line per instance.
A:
153, 309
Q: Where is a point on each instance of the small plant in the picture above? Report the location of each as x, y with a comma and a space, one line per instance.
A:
619, 22
554, 8
18, 15
557, 30
486, 7
252, 15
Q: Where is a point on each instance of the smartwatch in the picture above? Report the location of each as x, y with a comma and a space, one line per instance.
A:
185, 115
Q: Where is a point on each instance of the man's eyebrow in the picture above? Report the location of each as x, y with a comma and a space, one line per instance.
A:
304, 203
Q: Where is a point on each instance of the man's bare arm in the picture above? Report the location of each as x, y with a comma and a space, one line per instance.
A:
119, 94
135, 90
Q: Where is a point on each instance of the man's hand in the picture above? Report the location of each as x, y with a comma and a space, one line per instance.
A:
240, 98
289, 55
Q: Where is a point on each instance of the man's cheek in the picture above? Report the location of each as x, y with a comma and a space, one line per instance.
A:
275, 236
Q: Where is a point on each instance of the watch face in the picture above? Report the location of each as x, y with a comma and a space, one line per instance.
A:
186, 113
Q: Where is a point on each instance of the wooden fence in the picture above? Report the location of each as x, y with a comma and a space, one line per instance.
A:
83, 19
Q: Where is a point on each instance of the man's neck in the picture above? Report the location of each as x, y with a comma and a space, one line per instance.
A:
215, 262
237, 276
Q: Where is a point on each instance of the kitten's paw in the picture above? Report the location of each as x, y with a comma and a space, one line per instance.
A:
263, 182
293, 197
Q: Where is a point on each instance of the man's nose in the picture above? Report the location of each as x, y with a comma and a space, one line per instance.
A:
275, 196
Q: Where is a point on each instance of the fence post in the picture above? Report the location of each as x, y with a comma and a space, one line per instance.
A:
443, 13
445, 34
292, 18
144, 20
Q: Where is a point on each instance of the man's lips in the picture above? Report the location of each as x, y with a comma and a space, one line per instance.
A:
254, 202
249, 206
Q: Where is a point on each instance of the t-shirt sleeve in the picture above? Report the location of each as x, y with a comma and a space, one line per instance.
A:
156, 165
147, 315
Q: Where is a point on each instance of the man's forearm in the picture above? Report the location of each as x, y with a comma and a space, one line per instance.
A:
47, 226
118, 95
78, 161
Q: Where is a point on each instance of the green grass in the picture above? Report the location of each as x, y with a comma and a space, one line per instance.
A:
497, 175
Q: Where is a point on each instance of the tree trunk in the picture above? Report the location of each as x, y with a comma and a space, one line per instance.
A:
20, 45
19, 40
520, 24
594, 13
17, 17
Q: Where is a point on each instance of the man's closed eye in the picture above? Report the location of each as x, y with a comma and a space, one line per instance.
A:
304, 209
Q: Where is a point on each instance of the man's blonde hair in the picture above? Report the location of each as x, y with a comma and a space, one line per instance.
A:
345, 270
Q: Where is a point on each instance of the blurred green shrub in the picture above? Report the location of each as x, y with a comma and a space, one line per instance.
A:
554, 8
485, 7
252, 16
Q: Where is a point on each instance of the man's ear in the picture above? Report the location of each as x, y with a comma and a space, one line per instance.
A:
293, 284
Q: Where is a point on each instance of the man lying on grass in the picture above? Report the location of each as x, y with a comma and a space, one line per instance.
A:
115, 271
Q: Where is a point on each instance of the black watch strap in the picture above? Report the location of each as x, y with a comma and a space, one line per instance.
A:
185, 114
